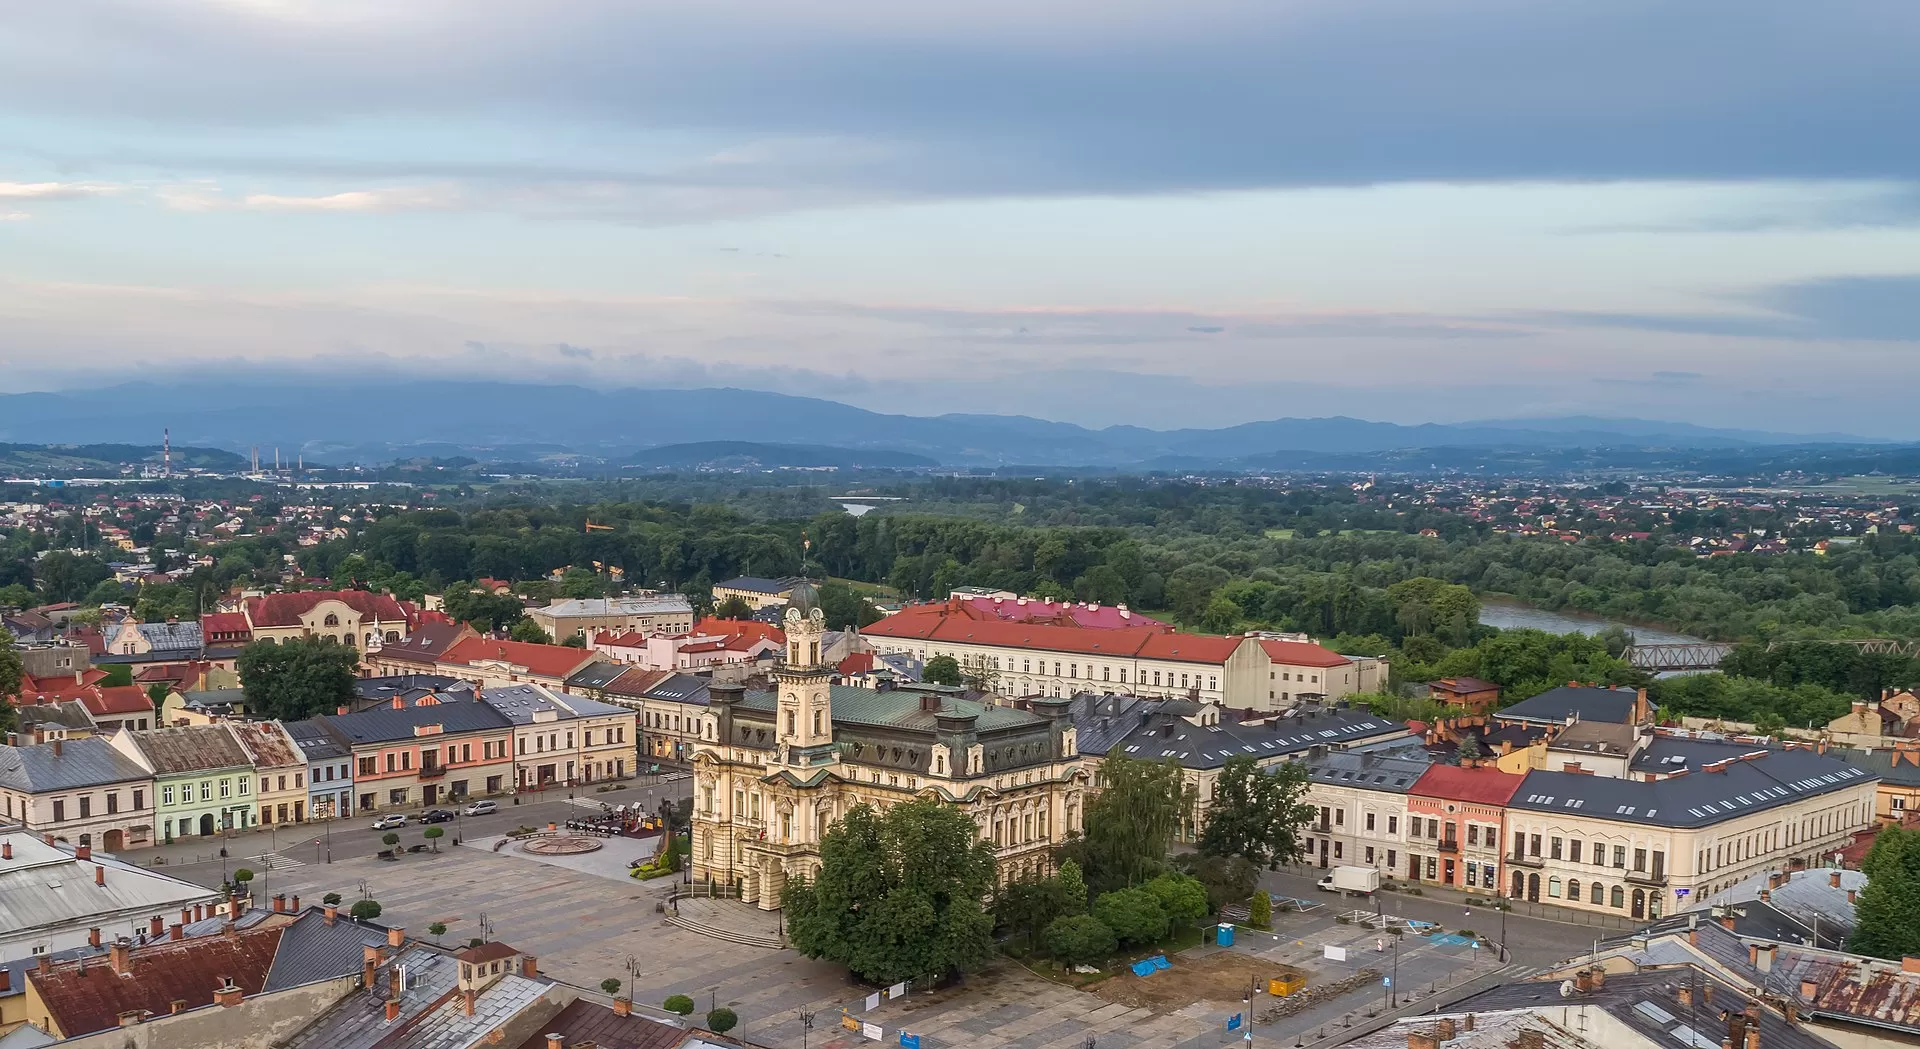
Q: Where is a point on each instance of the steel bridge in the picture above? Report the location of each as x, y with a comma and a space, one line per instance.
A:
1705, 655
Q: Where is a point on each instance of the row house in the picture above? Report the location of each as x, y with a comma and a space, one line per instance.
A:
585, 617
82, 791
426, 752
417, 653
279, 768
1698, 816
498, 664
672, 708
1360, 805
711, 643
329, 769
563, 740
203, 778
1456, 820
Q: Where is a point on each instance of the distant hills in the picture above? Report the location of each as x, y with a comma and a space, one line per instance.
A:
383, 419
750, 455
35, 460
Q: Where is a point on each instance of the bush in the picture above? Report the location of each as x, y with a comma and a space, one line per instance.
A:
475, 941
722, 1020
437, 930
1078, 939
1260, 911
1182, 898
366, 910
242, 876
331, 899
434, 834
611, 986
1134, 915
389, 839
678, 1003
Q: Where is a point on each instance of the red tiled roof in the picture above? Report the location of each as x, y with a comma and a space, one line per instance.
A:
635, 681
1085, 615
427, 642
1144, 643
555, 661
740, 628
858, 663
224, 623
1478, 786
115, 700
1302, 654
83, 1001
286, 609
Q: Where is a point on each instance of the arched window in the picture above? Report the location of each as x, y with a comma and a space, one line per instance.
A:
331, 620
1619, 896
393, 637
1599, 894
1573, 889
1553, 887
1519, 885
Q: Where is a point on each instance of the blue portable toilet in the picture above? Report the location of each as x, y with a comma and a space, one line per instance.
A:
1224, 935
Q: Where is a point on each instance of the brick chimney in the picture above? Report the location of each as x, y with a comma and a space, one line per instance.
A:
155, 926
177, 932
466, 1002
396, 936
279, 903
529, 967
1774, 879
1684, 995
132, 1017
99, 875
1583, 981
1809, 990
6, 850
227, 995
293, 905
6, 980
120, 956
1421, 1040
1726, 920
369, 963
556, 1041
1852, 894
1533, 1038
623, 1007
57, 744
186, 916
393, 1009
1833, 879
332, 912
83, 852
93, 937
178, 1005
1443, 1029
1599, 978
1466, 1022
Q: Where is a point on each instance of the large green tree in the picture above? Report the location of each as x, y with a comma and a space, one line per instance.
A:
297, 678
1131, 823
900, 894
1258, 813
941, 670
1887, 917
1026, 906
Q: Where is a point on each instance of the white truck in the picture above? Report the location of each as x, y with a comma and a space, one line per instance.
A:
1352, 881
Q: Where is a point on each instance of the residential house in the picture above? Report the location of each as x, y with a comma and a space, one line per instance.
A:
226, 629
585, 617
562, 740
203, 707
500, 663
1456, 820
422, 754
1813, 907
1471, 693
1898, 793
329, 769
371, 692
711, 643
44, 721
119, 706
280, 770
672, 707
203, 778
1576, 702
420, 997
1361, 807
354, 618
153, 642
80, 790
1299, 671
418, 652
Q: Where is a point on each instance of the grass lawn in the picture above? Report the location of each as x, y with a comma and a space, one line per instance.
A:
1045, 967
858, 587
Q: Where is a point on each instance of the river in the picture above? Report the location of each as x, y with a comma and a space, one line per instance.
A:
1508, 615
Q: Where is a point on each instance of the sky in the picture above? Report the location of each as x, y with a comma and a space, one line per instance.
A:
1154, 212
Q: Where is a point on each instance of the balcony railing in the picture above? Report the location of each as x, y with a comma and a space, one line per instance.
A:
1647, 877
1449, 845
1527, 861
432, 771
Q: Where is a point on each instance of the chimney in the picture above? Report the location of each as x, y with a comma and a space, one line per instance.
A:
1599, 978
99, 875
393, 1009
186, 916
199, 911
178, 931
6, 980
120, 956
46, 965
293, 905
1533, 1038
466, 1002
1684, 995
132, 1017
227, 996
333, 913
1809, 990
1774, 879
1833, 879
1766, 896
279, 903
178, 1005
1852, 894
623, 1007
47, 838
1764, 955
6, 850
1726, 921
1443, 1029
529, 967
1466, 1022
93, 937
1583, 981
1910, 964
56, 746
1421, 1040
155, 926
396, 936
369, 962
1706, 994
556, 1041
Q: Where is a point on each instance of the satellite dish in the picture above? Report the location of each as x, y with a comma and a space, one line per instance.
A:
1566, 988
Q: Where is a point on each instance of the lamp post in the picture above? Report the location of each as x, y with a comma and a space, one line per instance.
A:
806, 1024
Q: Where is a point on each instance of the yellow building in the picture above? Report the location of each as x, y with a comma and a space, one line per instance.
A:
785, 764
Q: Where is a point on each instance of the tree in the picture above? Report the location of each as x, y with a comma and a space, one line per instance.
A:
1469, 750
678, 1003
1887, 917
611, 986
331, 899
1260, 911
941, 670
1181, 897
1133, 914
11, 669
1073, 887
734, 607
899, 894
297, 679
1079, 939
1222, 615
1131, 823
106, 592
1029, 905
1258, 813
529, 631
390, 839
434, 834
437, 930
1228, 879
483, 611
241, 877
722, 1020
575, 641
365, 910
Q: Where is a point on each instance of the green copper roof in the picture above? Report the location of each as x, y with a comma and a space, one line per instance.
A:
901, 710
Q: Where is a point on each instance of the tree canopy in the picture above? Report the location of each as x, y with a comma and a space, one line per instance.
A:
1131, 823
900, 894
941, 670
1887, 917
1258, 813
297, 678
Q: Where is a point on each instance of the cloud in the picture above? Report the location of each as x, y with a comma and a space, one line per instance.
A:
1884, 308
1065, 325
869, 100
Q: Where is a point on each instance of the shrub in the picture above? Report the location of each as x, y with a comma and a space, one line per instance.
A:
678, 1003
331, 899
1182, 898
1078, 939
610, 985
389, 839
1134, 915
475, 941
366, 910
242, 876
1260, 911
722, 1020
437, 930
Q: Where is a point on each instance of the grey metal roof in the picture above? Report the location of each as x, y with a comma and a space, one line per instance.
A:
901, 709
1649, 1004
1891, 766
395, 684
173, 637
682, 688
757, 585
311, 950
69, 715
214, 697
1157, 730
317, 741
1801, 895
521, 702
84, 762
1768, 779
430, 1015
385, 724
1591, 704
593, 607
598, 674
1368, 771
44, 886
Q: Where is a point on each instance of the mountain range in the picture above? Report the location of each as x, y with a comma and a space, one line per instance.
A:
382, 419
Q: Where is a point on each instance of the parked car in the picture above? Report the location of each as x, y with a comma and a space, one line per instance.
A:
482, 808
437, 816
390, 821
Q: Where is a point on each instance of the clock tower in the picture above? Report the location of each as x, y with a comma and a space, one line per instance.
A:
805, 726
